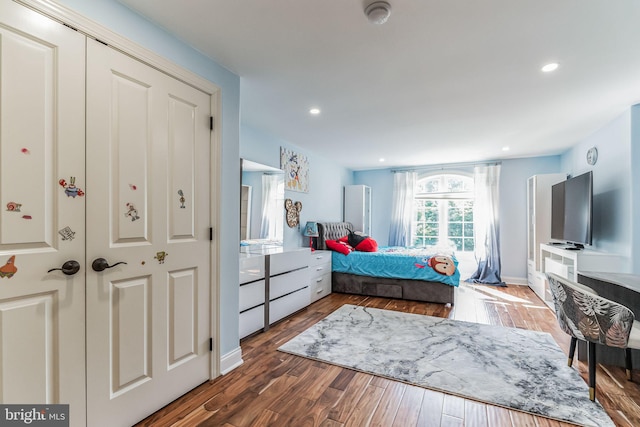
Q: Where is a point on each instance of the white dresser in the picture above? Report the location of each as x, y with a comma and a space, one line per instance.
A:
273, 285
320, 271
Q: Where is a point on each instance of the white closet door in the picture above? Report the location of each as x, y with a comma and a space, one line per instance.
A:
42, 184
148, 160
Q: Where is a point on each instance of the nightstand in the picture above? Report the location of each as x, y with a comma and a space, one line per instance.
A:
320, 271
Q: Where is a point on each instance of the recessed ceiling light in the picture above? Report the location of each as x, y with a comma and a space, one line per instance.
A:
505, 148
381, 160
550, 67
314, 111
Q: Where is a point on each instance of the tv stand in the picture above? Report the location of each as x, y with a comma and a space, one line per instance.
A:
567, 261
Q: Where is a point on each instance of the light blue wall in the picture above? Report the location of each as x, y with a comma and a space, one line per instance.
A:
513, 206
323, 202
119, 19
612, 184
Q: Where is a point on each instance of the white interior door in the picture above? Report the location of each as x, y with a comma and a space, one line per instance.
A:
148, 151
42, 180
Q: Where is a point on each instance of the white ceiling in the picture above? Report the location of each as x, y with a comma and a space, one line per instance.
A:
443, 81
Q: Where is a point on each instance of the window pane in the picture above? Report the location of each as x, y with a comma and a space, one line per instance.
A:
468, 230
469, 245
428, 185
455, 211
455, 229
455, 184
468, 210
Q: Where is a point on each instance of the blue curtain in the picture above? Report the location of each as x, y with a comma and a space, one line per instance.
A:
402, 208
486, 225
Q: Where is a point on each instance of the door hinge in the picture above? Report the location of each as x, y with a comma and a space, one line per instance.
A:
211, 122
211, 233
210, 344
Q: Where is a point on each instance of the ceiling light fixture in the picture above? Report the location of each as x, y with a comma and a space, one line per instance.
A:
314, 111
378, 12
381, 159
550, 67
505, 148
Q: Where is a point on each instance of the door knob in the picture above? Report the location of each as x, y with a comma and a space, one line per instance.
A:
101, 264
69, 268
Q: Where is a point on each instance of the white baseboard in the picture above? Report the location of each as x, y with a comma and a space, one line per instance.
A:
514, 280
231, 361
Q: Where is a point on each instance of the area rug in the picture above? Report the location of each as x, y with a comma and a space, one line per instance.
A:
510, 367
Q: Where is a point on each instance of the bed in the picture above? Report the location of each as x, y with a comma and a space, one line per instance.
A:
418, 282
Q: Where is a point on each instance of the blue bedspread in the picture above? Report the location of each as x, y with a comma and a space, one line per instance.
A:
396, 263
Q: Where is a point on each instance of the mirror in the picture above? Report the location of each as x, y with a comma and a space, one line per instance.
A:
261, 206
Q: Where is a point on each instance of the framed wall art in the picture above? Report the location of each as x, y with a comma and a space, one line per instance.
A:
296, 170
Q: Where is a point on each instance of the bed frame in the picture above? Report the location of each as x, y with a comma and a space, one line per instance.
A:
407, 289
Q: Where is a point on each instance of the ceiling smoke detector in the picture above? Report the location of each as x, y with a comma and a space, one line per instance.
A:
378, 12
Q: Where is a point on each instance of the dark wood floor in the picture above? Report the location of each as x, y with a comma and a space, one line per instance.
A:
276, 389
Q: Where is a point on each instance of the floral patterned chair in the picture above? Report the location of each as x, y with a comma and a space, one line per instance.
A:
586, 316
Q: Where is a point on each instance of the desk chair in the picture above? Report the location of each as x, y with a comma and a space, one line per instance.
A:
586, 316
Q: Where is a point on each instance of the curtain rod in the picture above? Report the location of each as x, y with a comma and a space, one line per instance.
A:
447, 166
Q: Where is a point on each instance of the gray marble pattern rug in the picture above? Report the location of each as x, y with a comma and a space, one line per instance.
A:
510, 367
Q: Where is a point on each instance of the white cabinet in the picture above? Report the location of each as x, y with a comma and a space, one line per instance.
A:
272, 286
357, 207
538, 223
320, 280
566, 263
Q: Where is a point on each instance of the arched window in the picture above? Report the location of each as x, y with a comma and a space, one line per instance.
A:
443, 207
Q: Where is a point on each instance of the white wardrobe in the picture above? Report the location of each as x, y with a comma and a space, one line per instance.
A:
357, 207
539, 225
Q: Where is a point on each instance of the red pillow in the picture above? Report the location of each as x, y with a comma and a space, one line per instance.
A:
337, 246
367, 245
344, 239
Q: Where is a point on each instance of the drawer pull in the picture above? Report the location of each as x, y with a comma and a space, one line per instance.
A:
319, 280
319, 291
319, 268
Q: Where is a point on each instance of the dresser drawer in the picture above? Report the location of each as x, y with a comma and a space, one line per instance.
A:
288, 261
320, 286
251, 294
320, 257
251, 268
320, 269
288, 282
251, 321
284, 306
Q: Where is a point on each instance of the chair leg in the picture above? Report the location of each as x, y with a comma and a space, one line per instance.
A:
572, 350
592, 370
628, 363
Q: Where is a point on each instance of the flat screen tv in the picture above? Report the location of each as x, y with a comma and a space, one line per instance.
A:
572, 210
